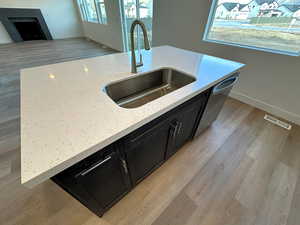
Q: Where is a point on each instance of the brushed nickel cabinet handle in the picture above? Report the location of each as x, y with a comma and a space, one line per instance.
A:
95, 166
124, 164
179, 129
175, 131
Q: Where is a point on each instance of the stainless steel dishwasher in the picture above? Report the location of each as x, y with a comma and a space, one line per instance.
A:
215, 103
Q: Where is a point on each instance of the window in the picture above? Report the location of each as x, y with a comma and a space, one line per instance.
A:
269, 25
100, 6
137, 9
93, 11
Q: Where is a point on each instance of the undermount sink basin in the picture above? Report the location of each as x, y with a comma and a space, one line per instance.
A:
141, 89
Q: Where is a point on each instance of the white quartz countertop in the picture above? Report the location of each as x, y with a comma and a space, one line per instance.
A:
65, 115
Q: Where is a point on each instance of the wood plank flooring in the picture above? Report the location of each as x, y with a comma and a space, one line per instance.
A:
241, 171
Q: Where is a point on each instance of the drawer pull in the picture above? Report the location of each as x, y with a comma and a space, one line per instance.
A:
179, 129
175, 127
95, 166
124, 166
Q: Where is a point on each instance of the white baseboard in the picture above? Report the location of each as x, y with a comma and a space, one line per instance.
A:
276, 111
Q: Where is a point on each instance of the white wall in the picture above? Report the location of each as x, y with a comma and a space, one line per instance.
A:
109, 34
4, 36
61, 16
269, 81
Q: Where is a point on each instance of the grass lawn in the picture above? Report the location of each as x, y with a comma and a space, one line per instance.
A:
258, 38
286, 25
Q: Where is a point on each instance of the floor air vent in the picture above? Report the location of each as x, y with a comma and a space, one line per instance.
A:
278, 122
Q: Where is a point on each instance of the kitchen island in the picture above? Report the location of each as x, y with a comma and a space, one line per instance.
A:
67, 118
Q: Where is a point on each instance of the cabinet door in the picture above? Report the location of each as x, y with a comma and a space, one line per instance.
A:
183, 124
105, 181
145, 151
187, 119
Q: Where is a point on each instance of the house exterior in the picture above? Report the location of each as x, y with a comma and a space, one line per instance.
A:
297, 14
255, 6
234, 11
258, 8
243, 12
290, 10
270, 13
273, 5
224, 11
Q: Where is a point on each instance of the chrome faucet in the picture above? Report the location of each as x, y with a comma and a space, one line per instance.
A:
134, 65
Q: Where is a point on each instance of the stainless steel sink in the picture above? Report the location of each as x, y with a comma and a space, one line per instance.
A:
144, 88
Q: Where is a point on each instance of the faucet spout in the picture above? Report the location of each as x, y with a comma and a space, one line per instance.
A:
134, 65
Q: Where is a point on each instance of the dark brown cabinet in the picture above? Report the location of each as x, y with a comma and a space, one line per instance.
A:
99, 181
148, 147
105, 181
103, 178
145, 150
183, 123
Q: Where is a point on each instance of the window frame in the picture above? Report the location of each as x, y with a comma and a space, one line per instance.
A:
208, 26
82, 9
82, 6
125, 28
102, 19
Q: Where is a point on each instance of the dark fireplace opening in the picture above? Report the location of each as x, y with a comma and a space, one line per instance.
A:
25, 24
29, 28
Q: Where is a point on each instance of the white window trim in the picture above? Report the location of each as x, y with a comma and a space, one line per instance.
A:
100, 18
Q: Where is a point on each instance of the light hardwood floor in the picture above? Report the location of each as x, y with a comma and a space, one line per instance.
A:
241, 171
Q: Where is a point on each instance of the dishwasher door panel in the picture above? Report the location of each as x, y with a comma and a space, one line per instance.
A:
215, 103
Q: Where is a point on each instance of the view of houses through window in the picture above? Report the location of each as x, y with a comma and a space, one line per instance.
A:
93, 11
268, 24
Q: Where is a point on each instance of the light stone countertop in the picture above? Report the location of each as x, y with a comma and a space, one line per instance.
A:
65, 115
